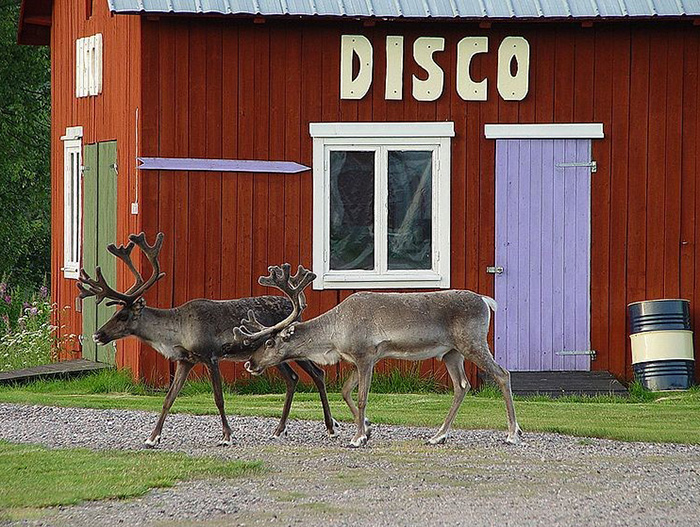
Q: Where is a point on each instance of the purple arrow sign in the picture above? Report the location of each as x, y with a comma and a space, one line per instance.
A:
220, 165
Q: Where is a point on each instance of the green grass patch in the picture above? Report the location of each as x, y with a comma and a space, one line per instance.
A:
34, 476
643, 416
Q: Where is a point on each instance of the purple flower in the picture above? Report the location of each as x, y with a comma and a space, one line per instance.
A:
26, 305
6, 321
44, 291
3, 288
33, 311
8, 299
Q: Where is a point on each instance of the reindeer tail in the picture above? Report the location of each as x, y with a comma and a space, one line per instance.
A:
490, 302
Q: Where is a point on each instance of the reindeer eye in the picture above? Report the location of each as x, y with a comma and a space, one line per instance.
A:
269, 343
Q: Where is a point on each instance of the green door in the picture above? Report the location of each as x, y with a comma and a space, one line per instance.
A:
99, 230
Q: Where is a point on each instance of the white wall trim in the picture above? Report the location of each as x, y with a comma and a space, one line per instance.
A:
408, 129
72, 201
72, 133
544, 131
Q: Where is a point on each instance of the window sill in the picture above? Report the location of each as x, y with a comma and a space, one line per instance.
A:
72, 274
386, 281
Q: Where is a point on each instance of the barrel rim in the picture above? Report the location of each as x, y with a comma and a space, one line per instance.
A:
659, 300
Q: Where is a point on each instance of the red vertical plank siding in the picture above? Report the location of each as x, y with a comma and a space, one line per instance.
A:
689, 168
246, 125
638, 152
656, 171
261, 150
600, 207
229, 184
153, 367
619, 134
231, 88
674, 134
212, 180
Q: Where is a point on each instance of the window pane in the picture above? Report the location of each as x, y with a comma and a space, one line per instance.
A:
72, 206
76, 206
352, 210
410, 210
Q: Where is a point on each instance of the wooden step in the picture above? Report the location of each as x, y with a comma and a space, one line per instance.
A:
559, 383
64, 369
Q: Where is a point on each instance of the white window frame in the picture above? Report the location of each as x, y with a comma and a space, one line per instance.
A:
380, 137
72, 194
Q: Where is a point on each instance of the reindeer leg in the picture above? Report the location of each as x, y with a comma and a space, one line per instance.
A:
290, 378
483, 359
182, 370
213, 367
318, 376
350, 384
454, 362
364, 373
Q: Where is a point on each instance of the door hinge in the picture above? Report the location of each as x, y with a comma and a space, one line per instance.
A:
496, 269
592, 165
591, 353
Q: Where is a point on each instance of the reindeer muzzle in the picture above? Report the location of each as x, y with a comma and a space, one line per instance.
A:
249, 368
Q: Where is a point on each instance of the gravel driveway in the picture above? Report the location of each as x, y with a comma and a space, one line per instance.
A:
475, 479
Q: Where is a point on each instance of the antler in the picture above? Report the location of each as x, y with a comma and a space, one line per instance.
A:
124, 254
101, 290
251, 329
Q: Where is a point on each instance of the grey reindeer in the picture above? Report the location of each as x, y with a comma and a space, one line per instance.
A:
367, 327
198, 331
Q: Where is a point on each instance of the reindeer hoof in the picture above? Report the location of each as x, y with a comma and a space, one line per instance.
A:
151, 443
358, 441
279, 433
225, 442
437, 440
513, 439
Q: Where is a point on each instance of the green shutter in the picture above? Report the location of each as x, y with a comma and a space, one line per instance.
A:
100, 229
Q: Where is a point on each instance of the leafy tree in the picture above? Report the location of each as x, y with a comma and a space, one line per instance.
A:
25, 180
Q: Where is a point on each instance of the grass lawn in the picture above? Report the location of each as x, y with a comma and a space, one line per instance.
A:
34, 476
673, 417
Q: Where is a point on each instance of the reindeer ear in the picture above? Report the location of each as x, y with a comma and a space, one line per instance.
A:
287, 333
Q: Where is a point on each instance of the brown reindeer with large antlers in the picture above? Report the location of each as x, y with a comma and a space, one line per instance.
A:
198, 331
367, 327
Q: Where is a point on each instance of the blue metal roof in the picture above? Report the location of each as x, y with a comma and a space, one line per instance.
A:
419, 8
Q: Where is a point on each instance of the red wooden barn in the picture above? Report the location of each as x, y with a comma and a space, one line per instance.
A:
545, 152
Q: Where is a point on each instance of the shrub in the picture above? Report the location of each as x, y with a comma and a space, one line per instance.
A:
27, 337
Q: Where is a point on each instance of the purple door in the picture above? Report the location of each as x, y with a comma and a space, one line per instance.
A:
543, 244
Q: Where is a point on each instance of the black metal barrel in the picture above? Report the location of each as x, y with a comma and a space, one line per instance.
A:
662, 344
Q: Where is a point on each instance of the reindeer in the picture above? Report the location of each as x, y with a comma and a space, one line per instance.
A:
367, 327
198, 331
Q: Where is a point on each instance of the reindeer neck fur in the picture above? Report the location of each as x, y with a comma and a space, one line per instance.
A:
314, 340
161, 328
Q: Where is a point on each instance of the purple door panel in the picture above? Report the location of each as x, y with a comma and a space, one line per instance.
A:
543, 240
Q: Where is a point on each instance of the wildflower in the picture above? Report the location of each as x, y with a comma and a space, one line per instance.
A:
6, 321
26, 306
8, 299
3, 288
33, 311
44, 291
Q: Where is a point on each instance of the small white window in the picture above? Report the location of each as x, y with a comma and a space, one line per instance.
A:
72, 217
381, 205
